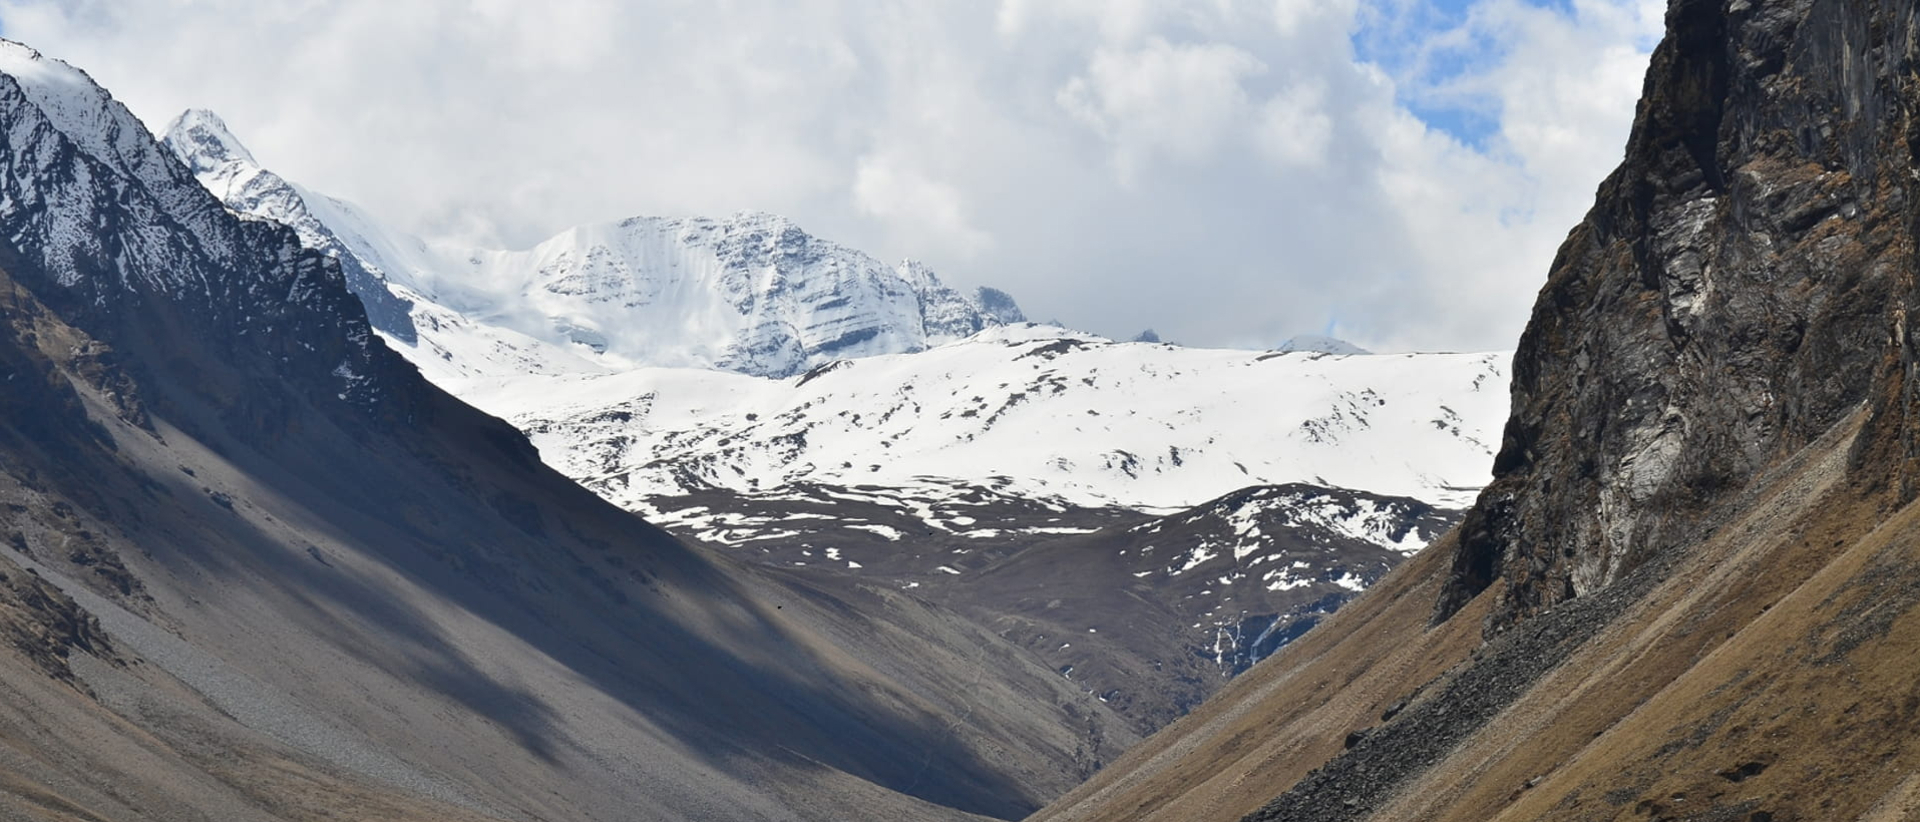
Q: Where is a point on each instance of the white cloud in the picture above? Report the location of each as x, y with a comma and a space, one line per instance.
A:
887, 188
1292, 17
1161, 99
1295, 129
1228, 172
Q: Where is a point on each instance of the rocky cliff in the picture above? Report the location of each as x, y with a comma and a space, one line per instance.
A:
1740, 286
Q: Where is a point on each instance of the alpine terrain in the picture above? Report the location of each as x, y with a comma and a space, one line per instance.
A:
948, 438
254, 566
751, 294
1689, 592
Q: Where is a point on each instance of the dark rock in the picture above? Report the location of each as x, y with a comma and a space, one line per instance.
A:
1739, 286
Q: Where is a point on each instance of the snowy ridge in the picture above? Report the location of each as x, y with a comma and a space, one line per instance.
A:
58, 123
1026, 411
102, 209
227, 170
441, 342
752, 293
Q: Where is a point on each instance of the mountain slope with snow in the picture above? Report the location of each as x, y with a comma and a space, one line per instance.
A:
1026, 411
1153, 617
752, 293
579, 339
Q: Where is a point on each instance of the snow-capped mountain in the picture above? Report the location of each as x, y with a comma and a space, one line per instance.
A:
1320, 344
580, 340
120, 224
253, 566
752, 293
804, 406
1026, 411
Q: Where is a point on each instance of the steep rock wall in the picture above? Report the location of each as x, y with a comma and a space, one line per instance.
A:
1740, 285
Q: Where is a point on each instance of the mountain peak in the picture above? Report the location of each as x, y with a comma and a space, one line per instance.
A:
56, 88
202, 139
83, 113
1320, 344
752, 292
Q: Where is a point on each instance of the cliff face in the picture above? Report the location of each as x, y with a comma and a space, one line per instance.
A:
1740, 285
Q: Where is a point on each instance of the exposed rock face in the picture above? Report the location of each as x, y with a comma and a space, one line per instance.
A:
229, 171
1156, 616
1741, 281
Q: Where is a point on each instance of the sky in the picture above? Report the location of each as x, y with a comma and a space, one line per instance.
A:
1397, 173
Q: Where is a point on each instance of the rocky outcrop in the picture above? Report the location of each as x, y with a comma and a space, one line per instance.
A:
1740, 285
201, 139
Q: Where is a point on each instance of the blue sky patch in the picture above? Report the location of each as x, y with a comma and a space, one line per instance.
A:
1427, 48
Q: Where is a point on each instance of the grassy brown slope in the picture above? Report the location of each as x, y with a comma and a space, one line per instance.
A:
1769, 669
1616, 729
1772, 678
1288, 714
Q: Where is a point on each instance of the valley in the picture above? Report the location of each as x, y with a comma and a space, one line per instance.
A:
924, 560
920, 468
687, 518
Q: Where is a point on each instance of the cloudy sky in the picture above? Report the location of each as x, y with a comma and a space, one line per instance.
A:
1395, 172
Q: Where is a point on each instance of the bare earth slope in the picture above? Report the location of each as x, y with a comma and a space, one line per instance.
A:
1689, 593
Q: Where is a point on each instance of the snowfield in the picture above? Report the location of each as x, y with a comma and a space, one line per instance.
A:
1029, 411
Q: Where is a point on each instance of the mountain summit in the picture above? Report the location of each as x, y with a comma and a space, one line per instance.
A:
1319, 344
752, 293
202, 139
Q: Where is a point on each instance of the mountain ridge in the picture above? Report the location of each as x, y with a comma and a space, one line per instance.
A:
752, 293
